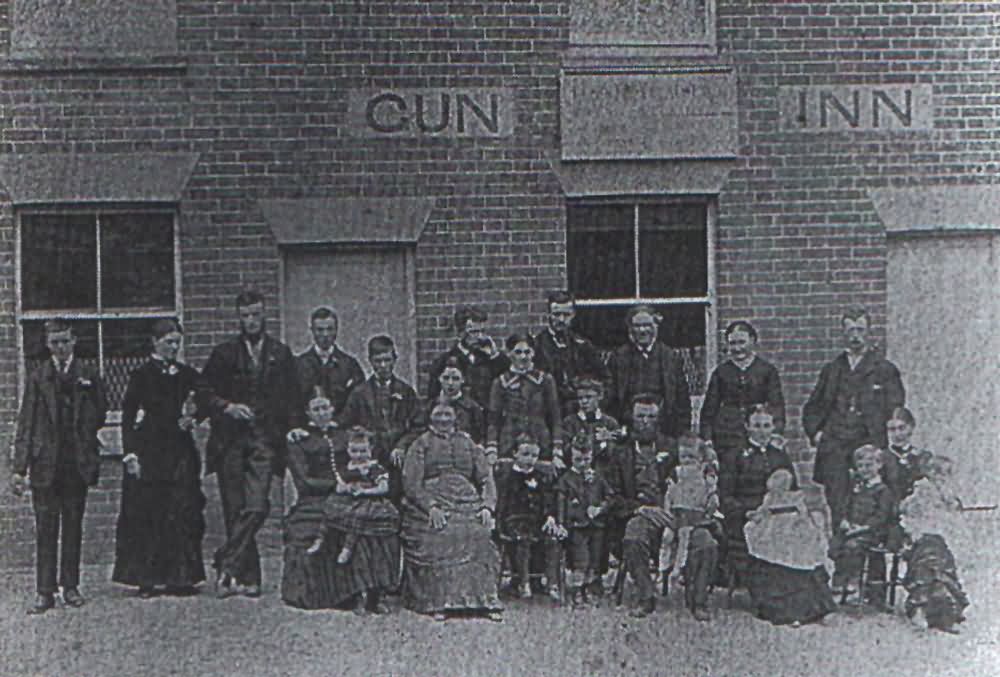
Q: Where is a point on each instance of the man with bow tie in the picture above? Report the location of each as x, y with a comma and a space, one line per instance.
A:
387, 406
645, 365
566, 355
324, 364
56, 451
849, 407
253, 395
479, 358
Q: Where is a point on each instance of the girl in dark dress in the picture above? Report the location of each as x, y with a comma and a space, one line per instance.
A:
161, 523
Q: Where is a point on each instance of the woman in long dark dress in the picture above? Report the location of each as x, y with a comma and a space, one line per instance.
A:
743, 380
161, 523
317, 581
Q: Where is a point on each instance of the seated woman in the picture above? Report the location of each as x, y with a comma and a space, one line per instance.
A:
743, 483
318, 581
450, 561
788, 581
935, 598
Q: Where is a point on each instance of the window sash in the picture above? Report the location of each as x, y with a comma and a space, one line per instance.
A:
100, 314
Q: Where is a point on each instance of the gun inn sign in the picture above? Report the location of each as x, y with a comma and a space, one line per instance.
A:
431, 112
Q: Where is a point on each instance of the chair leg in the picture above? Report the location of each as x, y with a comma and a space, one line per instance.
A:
863, 579
893, 579
666, 582
619, 587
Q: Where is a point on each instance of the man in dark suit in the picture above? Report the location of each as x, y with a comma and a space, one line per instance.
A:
385, 405
644, 448
325, 365
644, 365
849, 407
479, 358
565, 354
57, 448
253, 394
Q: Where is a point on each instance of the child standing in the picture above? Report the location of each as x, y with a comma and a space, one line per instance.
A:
582, 501
788, 581
869, 514
359, 506
601, 429
691, 499
524, 399
526, 516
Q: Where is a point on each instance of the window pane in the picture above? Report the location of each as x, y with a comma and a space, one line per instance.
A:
673, 250
600, 251
36, 352
682, 328
682, 325
58, 262
127, 344
137, 260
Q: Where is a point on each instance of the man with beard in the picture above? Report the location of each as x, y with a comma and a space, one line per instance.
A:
644, 365
644, 448
479, 358
565, 354
253, 394
849, 407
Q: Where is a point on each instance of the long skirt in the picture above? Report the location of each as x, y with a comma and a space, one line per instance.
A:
451, 569
317, 581
159, 532
783, 595
932, 583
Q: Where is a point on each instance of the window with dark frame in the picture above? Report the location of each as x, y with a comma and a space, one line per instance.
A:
621, 252
111, 273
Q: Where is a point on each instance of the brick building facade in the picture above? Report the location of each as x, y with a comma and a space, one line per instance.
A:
724, 159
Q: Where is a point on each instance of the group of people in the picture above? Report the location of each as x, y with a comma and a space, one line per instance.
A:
543, 454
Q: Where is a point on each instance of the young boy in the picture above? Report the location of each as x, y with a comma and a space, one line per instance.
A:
582, 501
526, 515
869, 513
691, 499
601, 429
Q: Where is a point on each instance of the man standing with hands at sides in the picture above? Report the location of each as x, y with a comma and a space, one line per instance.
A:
565, 354
854, 397
253, 394
479, 358
56, 451
646, 366
324, 364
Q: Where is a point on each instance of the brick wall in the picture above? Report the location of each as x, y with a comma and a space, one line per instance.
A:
262, 95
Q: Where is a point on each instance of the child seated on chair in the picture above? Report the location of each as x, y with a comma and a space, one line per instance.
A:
525, 515
691, 499
788, 581
601, 429
359, 504
582, 501
935, 598
870, 512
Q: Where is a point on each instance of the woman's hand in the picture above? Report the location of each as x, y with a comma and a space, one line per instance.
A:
486, 517
438, 518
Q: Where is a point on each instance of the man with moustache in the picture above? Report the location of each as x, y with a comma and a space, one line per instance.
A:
56, 452
644, 365
478, 357
253, 394
849, 407
565, 354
